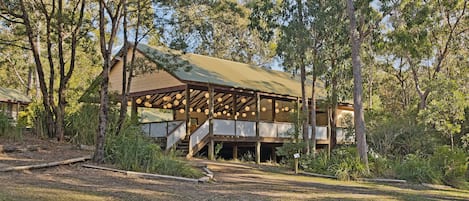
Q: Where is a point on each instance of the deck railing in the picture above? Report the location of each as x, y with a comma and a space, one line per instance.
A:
160, 129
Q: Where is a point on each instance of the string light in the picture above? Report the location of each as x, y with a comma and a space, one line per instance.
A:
263, 109
219, 99
178, 96
243, 100
181, 111
176, 102
244, 115
247, 108
138, 101
148, 96
227, 106
207, 95
199, 110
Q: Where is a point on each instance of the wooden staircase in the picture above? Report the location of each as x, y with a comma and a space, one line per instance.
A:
182, 147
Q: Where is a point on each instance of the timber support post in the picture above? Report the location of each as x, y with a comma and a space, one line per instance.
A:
258, 115
211, 145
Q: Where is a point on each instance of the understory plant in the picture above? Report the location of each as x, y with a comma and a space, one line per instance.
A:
344, 163
8, 129
132, 150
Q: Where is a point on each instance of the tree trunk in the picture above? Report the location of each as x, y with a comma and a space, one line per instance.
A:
357, 86
313, 117
333, 119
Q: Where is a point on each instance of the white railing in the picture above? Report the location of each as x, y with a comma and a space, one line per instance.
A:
178, 134
342, 136
159, 129
224, 127
246, 128
198, 135
321, 132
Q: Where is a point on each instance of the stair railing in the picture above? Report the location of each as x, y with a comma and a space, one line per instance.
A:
176, 135
198, 136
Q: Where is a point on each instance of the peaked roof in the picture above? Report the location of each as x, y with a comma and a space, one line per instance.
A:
13, 96
217, 71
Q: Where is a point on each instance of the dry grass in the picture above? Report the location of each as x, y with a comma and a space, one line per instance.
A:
235, 181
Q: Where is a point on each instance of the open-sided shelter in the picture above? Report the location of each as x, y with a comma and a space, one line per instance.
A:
214, 100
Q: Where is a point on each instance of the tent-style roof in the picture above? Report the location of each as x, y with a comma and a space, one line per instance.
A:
222, 72
13, 96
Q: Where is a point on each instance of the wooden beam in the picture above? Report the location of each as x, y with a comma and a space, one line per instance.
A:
158, 91
45, 165
235, 151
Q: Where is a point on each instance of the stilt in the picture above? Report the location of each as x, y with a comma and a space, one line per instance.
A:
211, 150
258, 152
235, 152
274, 155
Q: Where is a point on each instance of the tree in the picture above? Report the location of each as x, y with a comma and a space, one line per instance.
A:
359, 118
425, 34
65, 28
108, 10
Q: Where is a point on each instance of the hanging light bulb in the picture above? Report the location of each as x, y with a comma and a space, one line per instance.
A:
243, 100
184, 102
166, 98
277, 110
148, 96
176, 102
244, 114
191, 90
228, 114
191, 109
129, 103
263, 109
165, 107
206, 111
215, 115
199, 110
207, 95
181, 111
247, 108
224, 111
227, 106
269, 100
286, 108
178, 96
219, 113
253, 113
169, 105
219, 99
276, 104
138, 101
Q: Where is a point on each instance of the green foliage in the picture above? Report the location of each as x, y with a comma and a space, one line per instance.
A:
249, 156
344, 163
417, 168
82, 125
452, 164
131, 150
287, 150
8, 129
218, 148
392, 136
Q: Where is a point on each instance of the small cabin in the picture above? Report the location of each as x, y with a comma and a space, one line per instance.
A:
12, 102
209, 100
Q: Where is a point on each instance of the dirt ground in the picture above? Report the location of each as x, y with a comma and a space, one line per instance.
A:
234, 181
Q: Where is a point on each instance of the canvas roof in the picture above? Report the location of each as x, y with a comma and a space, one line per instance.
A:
13, 96
217, 71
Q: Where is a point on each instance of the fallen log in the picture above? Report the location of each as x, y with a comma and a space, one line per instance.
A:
44, 165
144, 175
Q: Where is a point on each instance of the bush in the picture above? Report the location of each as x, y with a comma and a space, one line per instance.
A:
8, 129
131, 150
417, 168
452, 164
344, 163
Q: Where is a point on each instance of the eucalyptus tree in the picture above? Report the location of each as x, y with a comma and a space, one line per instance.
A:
66, 27
425, 33
289, 24
216, 28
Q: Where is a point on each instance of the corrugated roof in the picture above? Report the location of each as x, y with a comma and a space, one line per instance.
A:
13, 96
217, 71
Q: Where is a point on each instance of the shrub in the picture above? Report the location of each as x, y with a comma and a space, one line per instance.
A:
452, 164
417, 168
8, 129
131, 150
344, 163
